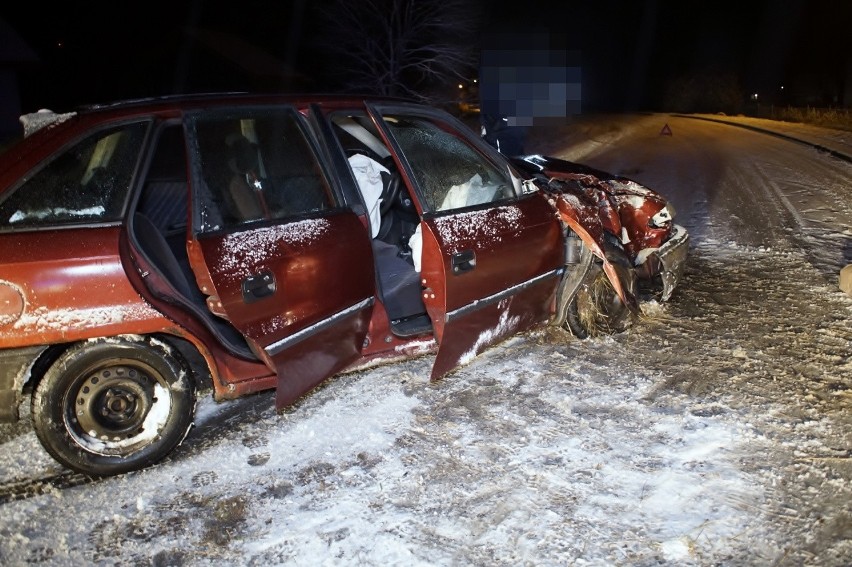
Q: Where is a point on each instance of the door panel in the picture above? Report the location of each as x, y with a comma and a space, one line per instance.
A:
319, 351
466, 336
489, 274
301, 293
491, 255
280, 257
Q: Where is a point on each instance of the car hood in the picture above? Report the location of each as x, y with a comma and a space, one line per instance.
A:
558, 174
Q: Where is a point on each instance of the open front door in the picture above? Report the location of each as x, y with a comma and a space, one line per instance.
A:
275, 256
489, 274
491, 255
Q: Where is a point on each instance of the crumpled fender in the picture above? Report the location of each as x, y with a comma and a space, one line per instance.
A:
585, 221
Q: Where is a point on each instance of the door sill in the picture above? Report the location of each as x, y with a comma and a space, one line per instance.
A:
412, 326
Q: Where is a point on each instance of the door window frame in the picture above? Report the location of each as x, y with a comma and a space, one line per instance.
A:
380, 110
329, 176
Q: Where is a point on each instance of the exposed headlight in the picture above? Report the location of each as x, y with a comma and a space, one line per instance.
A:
664, 217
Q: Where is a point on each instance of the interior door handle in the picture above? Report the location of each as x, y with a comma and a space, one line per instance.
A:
463, 261
258, 286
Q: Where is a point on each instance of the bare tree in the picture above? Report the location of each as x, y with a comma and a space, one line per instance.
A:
401, 47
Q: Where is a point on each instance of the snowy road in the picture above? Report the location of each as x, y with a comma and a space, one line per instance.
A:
716, 431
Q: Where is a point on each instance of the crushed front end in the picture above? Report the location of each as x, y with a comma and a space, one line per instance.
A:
608, 211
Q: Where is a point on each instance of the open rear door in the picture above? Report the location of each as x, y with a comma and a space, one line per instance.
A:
301, 293
276, 256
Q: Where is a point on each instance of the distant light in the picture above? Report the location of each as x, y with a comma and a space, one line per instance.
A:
477, 80
59, 44
782, 87
754, 96
461, 86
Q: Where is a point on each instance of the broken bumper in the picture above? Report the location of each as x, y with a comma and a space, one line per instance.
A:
672, 258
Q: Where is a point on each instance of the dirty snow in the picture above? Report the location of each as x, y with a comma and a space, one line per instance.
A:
830, 138
715, 431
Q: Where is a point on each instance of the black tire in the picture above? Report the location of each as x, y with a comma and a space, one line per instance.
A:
110, 406
597, 310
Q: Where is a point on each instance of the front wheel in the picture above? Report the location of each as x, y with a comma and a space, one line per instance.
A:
597, 310
111, 406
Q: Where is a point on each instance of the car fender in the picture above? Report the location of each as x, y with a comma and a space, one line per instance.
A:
584, 221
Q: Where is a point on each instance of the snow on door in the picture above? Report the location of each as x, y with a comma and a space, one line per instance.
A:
290, 270
491, 256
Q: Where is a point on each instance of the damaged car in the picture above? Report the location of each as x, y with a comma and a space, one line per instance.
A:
151, 248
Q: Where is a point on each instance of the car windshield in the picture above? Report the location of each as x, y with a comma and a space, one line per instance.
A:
450, 172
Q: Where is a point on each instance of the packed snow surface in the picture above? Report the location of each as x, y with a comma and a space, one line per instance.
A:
716, 430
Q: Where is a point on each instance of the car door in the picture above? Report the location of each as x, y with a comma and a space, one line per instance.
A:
491, 254
272, 247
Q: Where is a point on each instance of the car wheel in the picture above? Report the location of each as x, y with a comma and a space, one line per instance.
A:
597, 310
111, 406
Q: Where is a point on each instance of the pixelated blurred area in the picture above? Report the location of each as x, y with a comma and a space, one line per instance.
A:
524, 77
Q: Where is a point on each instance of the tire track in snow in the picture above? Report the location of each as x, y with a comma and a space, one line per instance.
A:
769, 182
20, 490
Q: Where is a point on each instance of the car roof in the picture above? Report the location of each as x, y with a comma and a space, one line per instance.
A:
173, 106
186, 102
51, 129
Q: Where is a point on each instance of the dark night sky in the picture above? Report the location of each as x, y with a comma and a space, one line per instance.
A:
630, 50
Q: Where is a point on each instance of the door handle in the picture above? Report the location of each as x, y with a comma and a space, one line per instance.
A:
258, 286
463, 261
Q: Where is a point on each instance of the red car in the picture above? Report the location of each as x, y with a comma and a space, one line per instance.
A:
261, 242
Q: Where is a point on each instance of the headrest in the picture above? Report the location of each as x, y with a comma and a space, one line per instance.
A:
243, 154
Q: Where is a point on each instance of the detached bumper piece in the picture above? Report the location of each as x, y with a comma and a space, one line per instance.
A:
672, 258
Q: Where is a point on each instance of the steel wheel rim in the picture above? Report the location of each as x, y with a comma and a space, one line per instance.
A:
109, 408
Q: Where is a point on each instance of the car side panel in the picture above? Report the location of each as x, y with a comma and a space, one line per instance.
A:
71, 285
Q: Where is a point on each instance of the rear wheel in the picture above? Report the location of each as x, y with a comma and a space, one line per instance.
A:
597, 309
111, 406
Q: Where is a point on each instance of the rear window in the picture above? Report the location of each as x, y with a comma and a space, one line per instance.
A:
85, 183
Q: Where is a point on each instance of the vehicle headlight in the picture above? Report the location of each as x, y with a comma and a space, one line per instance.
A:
664, 217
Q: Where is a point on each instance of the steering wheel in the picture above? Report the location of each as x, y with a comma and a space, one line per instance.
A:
392, 189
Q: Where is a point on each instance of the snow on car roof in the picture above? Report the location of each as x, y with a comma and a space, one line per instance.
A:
34, 121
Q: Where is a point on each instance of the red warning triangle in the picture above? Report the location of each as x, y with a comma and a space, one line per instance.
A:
666, 131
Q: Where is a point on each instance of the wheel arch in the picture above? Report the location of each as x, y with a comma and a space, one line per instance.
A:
606, 247
189, 353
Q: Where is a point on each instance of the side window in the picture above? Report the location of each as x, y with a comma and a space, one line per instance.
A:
255, 165
450, 173
86, 183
